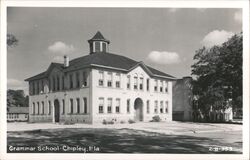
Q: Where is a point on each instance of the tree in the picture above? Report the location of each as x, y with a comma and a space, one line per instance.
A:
11, 40
16, 98
218, 75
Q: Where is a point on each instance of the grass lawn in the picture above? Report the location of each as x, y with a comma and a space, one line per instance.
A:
119, 141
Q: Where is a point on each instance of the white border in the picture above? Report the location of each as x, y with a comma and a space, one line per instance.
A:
244, 4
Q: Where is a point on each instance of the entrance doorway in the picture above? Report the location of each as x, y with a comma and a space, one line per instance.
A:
138, 105
56, 110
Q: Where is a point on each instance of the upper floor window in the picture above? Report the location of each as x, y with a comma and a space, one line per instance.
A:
77, 80
38, 89
71, 81
141, 83
101, 104
63, 84
109, 82
33, 88
42, 87
117, 107
101, 78
128, 82
161, 86
58, 83
166, 86
148, 84
54, 83
156, 86
84, 77
135, 82
109, 105
118, 80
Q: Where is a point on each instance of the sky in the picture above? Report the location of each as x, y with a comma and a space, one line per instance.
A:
163, 38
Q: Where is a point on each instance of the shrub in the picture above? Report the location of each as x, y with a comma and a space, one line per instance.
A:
111, 122
122, 122
104, 122
156, 118
68, 122
131, 121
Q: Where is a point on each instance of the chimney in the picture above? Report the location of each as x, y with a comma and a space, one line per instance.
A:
66, 61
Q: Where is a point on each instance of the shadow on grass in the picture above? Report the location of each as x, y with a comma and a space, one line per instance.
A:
114, 141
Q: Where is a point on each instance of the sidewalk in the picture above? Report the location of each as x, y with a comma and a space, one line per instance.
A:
158, 127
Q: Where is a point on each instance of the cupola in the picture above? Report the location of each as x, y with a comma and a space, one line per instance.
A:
98, 43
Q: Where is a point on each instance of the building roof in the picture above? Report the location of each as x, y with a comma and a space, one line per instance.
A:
18, 110
102, 60
98, 37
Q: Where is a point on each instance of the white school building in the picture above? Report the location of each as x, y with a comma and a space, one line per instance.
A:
100, 86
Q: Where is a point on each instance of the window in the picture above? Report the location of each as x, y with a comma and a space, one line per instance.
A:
71, 106
161, 86
161, 107
155, 88
97, 46
135, 82
34, 108
38, 108
50, 85
128, 82
58, 83
156, 107
166, 109
78, 105
166, 87
101, 104
42, 87
85, 105
38, 89
63, 85
109, 105
117, 107
147, 84
104, 47
128, 105
84, 78
77, 80
42, 107
71, 81
63, 106
141, 83
54, 83
109, 79
33, 87
101, 78
148, 108
49, 111
118, 80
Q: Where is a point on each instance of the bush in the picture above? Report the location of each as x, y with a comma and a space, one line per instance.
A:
122, 122
130, 121
156, 118
104, 122
111, 122
68, 122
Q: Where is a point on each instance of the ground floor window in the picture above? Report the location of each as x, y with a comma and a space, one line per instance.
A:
78, 105
71, 106
161, 107
148, 108
166, 109
156, 107
109, 105
101, 104
63, 106
49, 111
128, 105
85, 105
117, 108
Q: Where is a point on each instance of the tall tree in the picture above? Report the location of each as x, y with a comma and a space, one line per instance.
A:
218, 75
